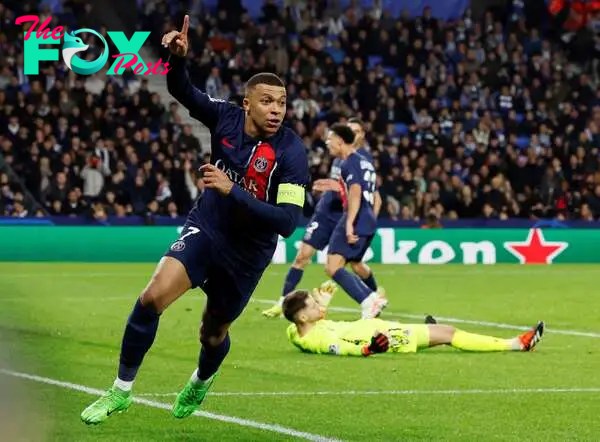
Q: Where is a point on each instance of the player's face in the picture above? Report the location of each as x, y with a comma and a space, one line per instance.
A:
312, 311
359, 134
266, 106
334, 144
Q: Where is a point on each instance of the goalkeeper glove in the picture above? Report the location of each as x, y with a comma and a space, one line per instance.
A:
324, 293
379, 344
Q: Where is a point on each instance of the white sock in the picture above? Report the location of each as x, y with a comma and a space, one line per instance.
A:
368, 300
123, 385
195, 379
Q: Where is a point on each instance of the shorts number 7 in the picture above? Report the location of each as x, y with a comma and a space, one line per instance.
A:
191, 231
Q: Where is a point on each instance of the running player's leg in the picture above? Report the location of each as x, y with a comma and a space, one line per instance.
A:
293, 277
339, 253
225, 302
315, 238
365, 273
171, 279
449, 335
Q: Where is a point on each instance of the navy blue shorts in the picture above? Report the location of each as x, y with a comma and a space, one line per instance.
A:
319, 230
227, 293
338, 245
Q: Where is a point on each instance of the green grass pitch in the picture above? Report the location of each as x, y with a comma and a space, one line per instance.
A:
64, 322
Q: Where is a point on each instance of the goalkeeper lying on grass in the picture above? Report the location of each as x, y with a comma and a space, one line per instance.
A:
313, 334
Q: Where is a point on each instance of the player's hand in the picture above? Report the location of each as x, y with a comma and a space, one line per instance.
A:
215, 178
177, 41
379, 344
325, 184
351, 237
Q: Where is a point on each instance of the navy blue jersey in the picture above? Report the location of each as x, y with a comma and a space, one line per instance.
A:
270, 176
365, 153
357, 169
330, 204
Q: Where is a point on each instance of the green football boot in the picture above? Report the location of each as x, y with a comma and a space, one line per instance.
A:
114, 400
190, 398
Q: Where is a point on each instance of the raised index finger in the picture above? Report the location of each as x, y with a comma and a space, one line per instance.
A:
186, 25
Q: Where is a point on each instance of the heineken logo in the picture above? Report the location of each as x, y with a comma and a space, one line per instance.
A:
445, 246
535, 249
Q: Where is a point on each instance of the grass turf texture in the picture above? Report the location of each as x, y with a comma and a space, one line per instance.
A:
65, 322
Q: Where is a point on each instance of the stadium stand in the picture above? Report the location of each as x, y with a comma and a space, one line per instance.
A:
467, 117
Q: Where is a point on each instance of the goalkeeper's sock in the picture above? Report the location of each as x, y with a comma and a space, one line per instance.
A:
139, 335
482, 343
292, 279
352, 284
370, 282
211, 358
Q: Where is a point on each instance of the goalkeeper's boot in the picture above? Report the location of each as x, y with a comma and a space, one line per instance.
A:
531, 338
190, 398
274, 312
430, 320
114, 400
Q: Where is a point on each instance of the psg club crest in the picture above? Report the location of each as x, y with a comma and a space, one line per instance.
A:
178, 246
261, 164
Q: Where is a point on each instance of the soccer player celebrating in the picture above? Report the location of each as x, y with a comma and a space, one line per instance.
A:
355, 230
255, 192
313, 334
328, 212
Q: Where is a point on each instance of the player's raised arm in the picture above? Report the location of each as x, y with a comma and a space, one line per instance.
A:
201, 105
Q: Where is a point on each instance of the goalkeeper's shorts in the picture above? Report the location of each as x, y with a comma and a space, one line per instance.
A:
407, 338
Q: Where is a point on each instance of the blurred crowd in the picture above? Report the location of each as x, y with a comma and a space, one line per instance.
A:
478, 118
94, 146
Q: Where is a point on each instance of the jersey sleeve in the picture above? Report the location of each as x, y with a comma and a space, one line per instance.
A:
282, 217
325, 341
351, 172
294, 176
201, 106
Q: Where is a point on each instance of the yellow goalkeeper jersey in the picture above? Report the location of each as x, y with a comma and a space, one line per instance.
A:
348, 338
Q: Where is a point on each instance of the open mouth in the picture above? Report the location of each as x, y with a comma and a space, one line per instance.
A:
273, 123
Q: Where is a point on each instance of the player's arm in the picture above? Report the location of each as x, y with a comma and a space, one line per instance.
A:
201, 105
328, 342
282, 217
377, 204
354, 197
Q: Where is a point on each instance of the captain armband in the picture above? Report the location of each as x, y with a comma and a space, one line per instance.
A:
291, 194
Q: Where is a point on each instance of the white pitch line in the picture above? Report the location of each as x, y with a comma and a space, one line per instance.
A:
391, 392
218, 417
458, 321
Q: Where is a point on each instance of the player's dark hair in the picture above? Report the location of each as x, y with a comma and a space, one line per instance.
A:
267, 78
344, 132
293, 303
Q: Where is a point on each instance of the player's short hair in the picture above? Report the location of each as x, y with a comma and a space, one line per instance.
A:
356, 120
293, 303
344, 132
267, 78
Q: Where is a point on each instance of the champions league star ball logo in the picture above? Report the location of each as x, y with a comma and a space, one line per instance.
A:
73, 45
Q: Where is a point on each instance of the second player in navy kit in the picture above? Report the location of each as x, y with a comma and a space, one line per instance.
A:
327, 214
255, 192
354, 232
